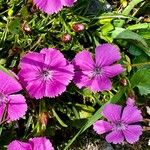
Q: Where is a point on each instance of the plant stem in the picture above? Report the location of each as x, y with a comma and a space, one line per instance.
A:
139, 64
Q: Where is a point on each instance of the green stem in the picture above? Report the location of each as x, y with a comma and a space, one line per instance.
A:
139, 64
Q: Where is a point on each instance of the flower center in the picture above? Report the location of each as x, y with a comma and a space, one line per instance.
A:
97, 71
46, 74
120, 126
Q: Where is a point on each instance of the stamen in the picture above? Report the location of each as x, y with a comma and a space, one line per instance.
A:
120, 126
97, 71
46, 74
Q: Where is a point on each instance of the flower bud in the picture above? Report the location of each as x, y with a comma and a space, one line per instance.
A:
78, 27
14, 51
26, 28
66, 38
43, 118
123, 82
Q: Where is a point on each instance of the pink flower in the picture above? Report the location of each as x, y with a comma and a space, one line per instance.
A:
121, 124
14, 105
95, 74
45, 74
53, 6
39, 143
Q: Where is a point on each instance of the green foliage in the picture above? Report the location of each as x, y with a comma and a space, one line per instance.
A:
77, 109
141, 79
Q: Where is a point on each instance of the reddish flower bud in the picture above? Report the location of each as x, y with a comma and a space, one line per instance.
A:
14, 51
33, 9
78, 27
123, 82
43, 118
66, 38
26, 28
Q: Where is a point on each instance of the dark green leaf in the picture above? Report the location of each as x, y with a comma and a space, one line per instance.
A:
141, 79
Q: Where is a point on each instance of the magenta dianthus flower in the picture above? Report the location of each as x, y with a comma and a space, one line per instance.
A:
95, 74
122, 123
53, 6
45, 74
38, 143
12, 105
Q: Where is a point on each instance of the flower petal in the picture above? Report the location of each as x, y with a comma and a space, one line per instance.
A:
112, 71
54, 88
68, 3
8, 84
102, 126
115, 137
84, 61
48, 6
100, 83
112, 112
107, 54
81, 79
131, 114
17, 107
18, 145
32, 60
53, 57
41, 143
36, 88
64, 74
130, 101
132, 133
28, 74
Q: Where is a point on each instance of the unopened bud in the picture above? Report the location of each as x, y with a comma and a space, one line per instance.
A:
26, 28
123, 82
43, 118
78, 27
14, 50
66, 38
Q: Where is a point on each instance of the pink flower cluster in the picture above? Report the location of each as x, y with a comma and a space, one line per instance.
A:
38, 143
47, 74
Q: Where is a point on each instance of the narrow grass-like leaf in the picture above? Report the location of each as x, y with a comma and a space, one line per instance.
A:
58, 118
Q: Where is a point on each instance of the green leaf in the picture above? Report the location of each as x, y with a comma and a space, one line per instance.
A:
14, 26
121, 33
141, 79
134, 50
145, 33
58, 118
139, 26
106, 28
24, 12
